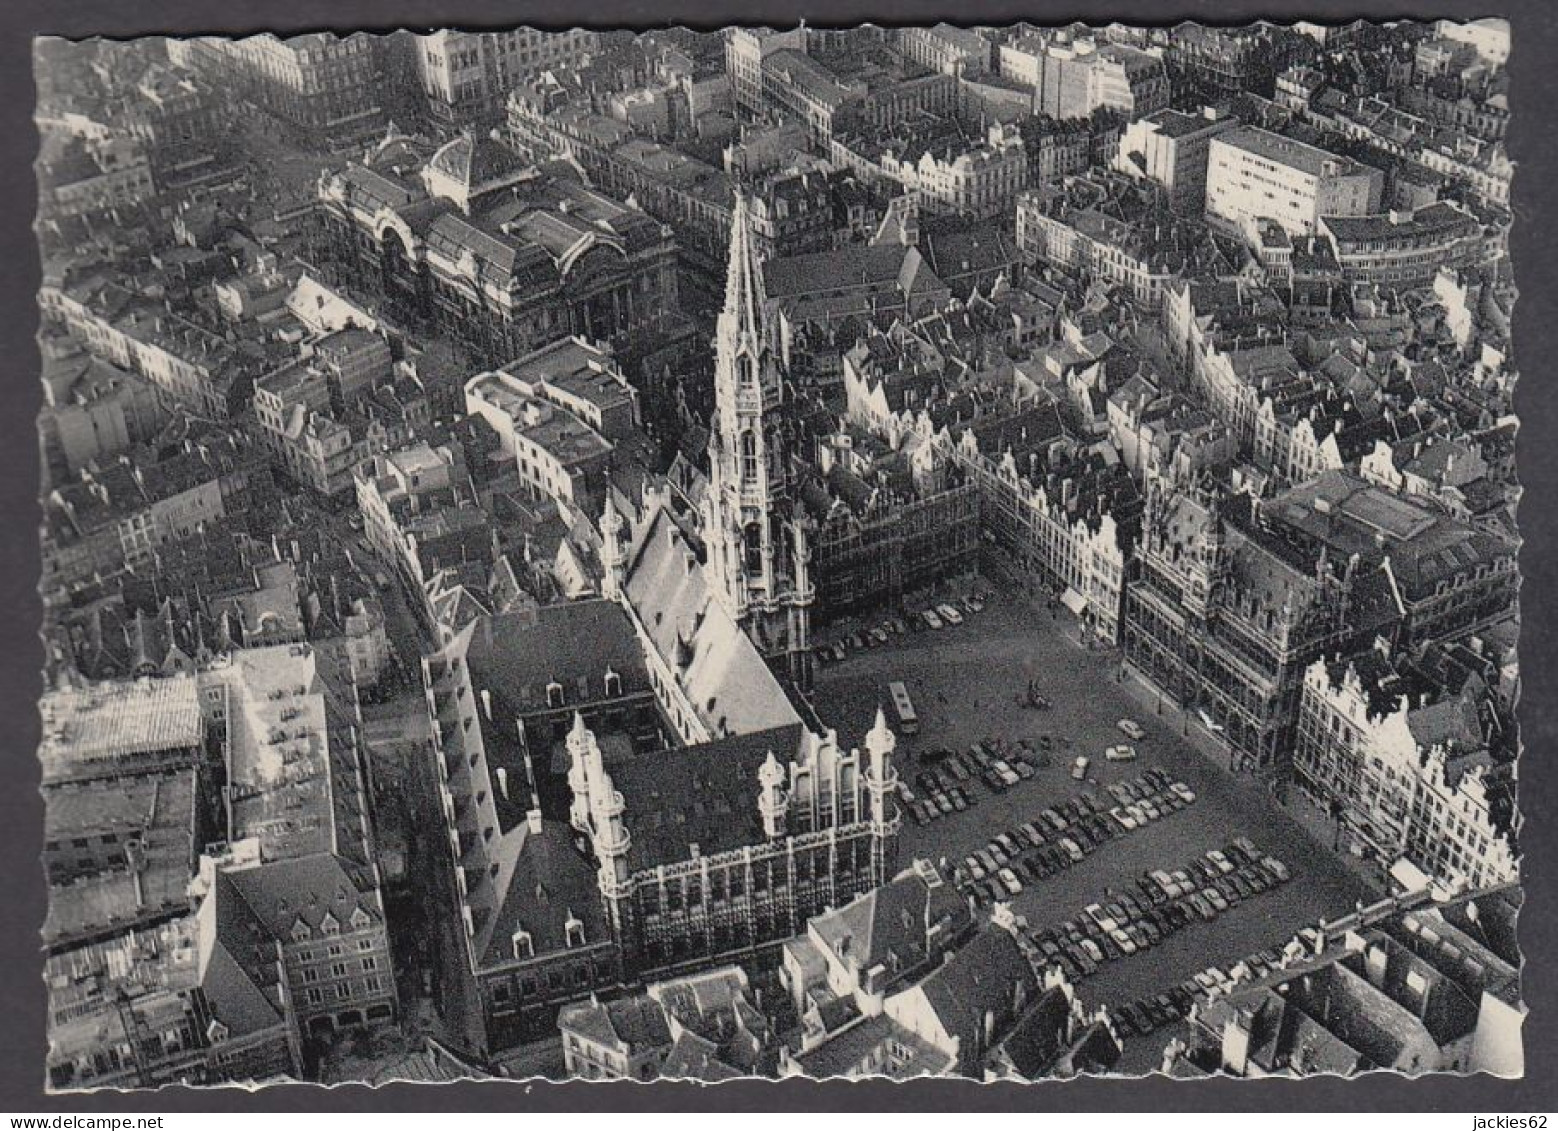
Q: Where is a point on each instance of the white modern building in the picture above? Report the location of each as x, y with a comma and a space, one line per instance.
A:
1253, 175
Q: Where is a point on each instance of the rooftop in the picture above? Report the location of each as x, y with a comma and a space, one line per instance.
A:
1308, 159
102, 728
288, 784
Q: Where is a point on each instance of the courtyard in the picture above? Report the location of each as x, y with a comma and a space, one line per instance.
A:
968, 684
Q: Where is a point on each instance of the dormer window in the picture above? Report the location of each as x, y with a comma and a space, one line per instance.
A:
329, 925
300, 931
359, 919
524, 945
554, 694
573, 931
613, 684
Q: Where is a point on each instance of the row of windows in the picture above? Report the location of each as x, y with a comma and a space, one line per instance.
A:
317, 995
341, 970
337, 949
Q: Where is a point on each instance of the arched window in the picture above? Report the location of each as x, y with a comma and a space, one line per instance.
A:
754, 549
748, 456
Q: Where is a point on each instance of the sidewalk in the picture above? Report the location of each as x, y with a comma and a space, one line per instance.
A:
1190, 729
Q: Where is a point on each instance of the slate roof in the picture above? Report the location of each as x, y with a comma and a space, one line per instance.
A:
239, 962
694, 1057
632, 1025
704, 795
843, 1053
515, 655
887, 926
978, 979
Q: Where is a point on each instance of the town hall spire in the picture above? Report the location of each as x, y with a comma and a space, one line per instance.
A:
755, 549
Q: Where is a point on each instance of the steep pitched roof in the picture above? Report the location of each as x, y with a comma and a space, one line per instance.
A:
720, 670
980, 978
889, 925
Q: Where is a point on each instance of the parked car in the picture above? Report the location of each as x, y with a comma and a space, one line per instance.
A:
1080, 767
949, 614
1131, 729
931, 619
1120, 753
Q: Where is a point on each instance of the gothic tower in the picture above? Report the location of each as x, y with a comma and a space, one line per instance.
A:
881, 782
596, 814
757, 554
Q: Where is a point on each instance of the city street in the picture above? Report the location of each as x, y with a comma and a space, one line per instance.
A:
965, 683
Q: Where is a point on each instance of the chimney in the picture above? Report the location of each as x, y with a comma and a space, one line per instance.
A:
486, 703
503, 781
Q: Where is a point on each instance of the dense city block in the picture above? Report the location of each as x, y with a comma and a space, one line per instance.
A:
807, 552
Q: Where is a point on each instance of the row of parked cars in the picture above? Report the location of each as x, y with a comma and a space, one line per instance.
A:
1132, 923
872, 637
936, 798
1059, 837
1148, 798
950, 613
997, 766
1149, 1014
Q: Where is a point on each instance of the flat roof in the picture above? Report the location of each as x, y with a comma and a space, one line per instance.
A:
578, 368
1176, 123
1308, 159
278, 755
547, 425
108, 721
